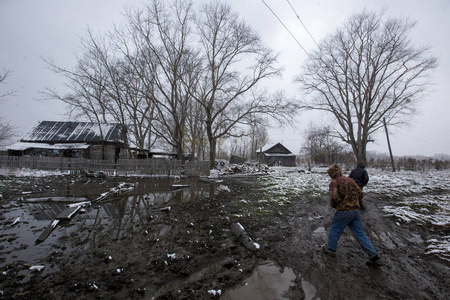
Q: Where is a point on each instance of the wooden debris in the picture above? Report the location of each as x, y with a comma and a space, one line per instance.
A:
47, 232
66, 214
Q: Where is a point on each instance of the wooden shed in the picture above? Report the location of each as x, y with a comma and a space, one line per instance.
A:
72, 139
277, 155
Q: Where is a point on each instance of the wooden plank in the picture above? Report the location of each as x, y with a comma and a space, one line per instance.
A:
47, 232
68, 213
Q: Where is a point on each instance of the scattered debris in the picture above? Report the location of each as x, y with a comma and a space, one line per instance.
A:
92, 174
246, 169
16, 221
66, 214
247, 241
180, 186
210, 179
121, 188
36, 268
73, 208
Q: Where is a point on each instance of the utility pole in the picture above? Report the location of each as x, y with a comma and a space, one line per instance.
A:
389, 145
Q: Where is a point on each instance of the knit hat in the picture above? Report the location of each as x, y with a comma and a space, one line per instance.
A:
334, 171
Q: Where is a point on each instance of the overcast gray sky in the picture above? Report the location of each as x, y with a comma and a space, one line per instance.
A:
31, 29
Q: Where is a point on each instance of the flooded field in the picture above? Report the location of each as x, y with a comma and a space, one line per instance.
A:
34, 210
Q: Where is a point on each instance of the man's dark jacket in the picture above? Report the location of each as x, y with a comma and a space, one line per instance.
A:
359, 175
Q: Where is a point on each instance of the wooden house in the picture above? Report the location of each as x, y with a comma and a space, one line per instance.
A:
277, 155
73, 139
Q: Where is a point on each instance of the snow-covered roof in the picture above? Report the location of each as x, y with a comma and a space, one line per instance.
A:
22, 146
278, 155
277, 148
63, 132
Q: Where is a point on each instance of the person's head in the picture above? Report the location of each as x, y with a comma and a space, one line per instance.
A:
334, 171
361, 165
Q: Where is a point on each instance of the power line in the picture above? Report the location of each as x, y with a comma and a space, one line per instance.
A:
424, 138
302, 23
285, 27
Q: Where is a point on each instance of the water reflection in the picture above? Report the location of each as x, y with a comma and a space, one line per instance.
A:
122, 215
266, 282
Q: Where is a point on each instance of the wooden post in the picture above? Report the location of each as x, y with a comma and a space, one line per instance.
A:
389, 145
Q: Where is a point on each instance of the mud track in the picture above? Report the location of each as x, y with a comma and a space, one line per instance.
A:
190, 250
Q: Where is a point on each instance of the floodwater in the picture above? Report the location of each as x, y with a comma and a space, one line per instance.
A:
24, 220
267, 282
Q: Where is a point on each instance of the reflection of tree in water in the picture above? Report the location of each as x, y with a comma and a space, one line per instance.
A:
139, 213
130, 214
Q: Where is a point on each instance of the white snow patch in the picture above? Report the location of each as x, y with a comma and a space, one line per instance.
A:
417, 197
214, 292
223, 188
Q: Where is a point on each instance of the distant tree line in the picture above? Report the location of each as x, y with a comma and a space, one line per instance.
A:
410, 164
177, 76
322, 148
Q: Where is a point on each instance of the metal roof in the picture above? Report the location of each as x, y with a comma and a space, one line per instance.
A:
22, 146
73, 132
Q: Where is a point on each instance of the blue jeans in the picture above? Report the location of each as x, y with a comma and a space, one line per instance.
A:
352, 219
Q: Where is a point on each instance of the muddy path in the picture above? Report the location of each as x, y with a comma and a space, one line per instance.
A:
148, 245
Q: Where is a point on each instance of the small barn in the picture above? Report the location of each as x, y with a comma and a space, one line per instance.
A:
72, 139
277, 155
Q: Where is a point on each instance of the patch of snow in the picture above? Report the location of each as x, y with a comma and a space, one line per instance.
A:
23, 172
37, 268
223, 188
417, 197
214, 292
440, 248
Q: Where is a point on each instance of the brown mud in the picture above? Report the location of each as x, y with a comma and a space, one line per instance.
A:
181, 246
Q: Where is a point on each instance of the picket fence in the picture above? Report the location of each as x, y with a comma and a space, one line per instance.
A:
123, 167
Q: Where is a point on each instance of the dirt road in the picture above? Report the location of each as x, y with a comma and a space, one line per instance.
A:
186, 249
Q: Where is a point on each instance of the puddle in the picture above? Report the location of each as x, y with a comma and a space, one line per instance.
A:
267, 282
309, 290
35, 211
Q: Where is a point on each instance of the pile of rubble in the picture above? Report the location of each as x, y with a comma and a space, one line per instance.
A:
245, 169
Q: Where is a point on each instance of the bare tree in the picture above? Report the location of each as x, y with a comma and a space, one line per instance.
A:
7, 131
258, 134
104, 89
162, 34
195, 131
366, 71
6, 74
321, 146
87, 84
235, 62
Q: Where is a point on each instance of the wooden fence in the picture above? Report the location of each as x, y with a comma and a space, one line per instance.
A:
123, 167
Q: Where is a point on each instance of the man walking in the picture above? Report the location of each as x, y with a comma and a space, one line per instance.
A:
360, 176
345, 196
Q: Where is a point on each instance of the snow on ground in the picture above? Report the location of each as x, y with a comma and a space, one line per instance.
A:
29, 173
421, 198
